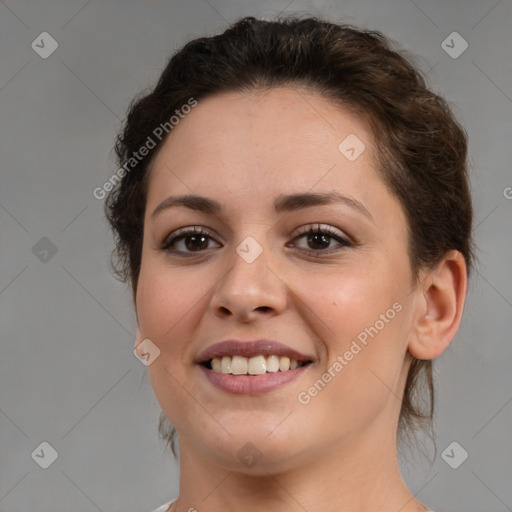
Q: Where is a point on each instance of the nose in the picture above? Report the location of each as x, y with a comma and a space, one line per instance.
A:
250, 289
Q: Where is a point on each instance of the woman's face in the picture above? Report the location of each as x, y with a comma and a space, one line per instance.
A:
339, 296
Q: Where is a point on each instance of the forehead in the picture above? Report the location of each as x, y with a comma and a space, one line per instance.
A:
261, 144
276, 120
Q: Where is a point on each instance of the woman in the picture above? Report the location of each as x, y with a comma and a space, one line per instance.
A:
294, 217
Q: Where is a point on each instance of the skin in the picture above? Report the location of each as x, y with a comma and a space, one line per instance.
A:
338, 452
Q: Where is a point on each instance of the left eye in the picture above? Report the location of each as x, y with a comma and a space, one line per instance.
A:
319, 239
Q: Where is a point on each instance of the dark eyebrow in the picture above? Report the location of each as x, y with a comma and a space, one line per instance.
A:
200, 203
297, 201
284, 203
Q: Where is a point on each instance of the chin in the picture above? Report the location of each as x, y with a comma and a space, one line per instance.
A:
253, 451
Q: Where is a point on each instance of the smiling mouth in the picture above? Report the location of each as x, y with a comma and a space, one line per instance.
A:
257, 365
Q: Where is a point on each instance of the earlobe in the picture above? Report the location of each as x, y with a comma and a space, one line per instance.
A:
442, 303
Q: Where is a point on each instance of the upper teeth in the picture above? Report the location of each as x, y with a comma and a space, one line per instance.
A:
258, 365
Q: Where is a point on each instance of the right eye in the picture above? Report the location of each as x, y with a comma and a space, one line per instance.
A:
187, 241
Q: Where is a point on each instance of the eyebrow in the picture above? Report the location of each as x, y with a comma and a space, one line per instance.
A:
284, 203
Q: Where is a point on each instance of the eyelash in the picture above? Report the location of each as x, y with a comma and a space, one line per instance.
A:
184, 233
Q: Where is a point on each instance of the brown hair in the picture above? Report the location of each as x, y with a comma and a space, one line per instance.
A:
422, 148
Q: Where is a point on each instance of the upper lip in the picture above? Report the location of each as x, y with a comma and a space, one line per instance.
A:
249, 348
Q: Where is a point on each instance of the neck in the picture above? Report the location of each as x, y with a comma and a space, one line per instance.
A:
360, 474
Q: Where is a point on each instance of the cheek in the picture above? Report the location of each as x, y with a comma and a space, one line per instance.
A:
363, 328
361, 374
350, 300
166, 299
168, 308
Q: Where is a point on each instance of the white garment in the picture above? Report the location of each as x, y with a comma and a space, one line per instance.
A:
163, 508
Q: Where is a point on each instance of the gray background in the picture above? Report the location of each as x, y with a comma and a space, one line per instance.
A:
67, 372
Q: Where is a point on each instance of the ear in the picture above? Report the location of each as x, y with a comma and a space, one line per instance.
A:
439, 308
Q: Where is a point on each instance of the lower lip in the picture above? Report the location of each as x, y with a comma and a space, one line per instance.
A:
251, 384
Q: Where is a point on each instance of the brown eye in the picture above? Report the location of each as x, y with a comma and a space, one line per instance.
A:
186, 241
318, 240
323, 240
196, 242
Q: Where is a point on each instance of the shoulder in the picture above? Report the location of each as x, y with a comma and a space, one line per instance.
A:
164, 507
